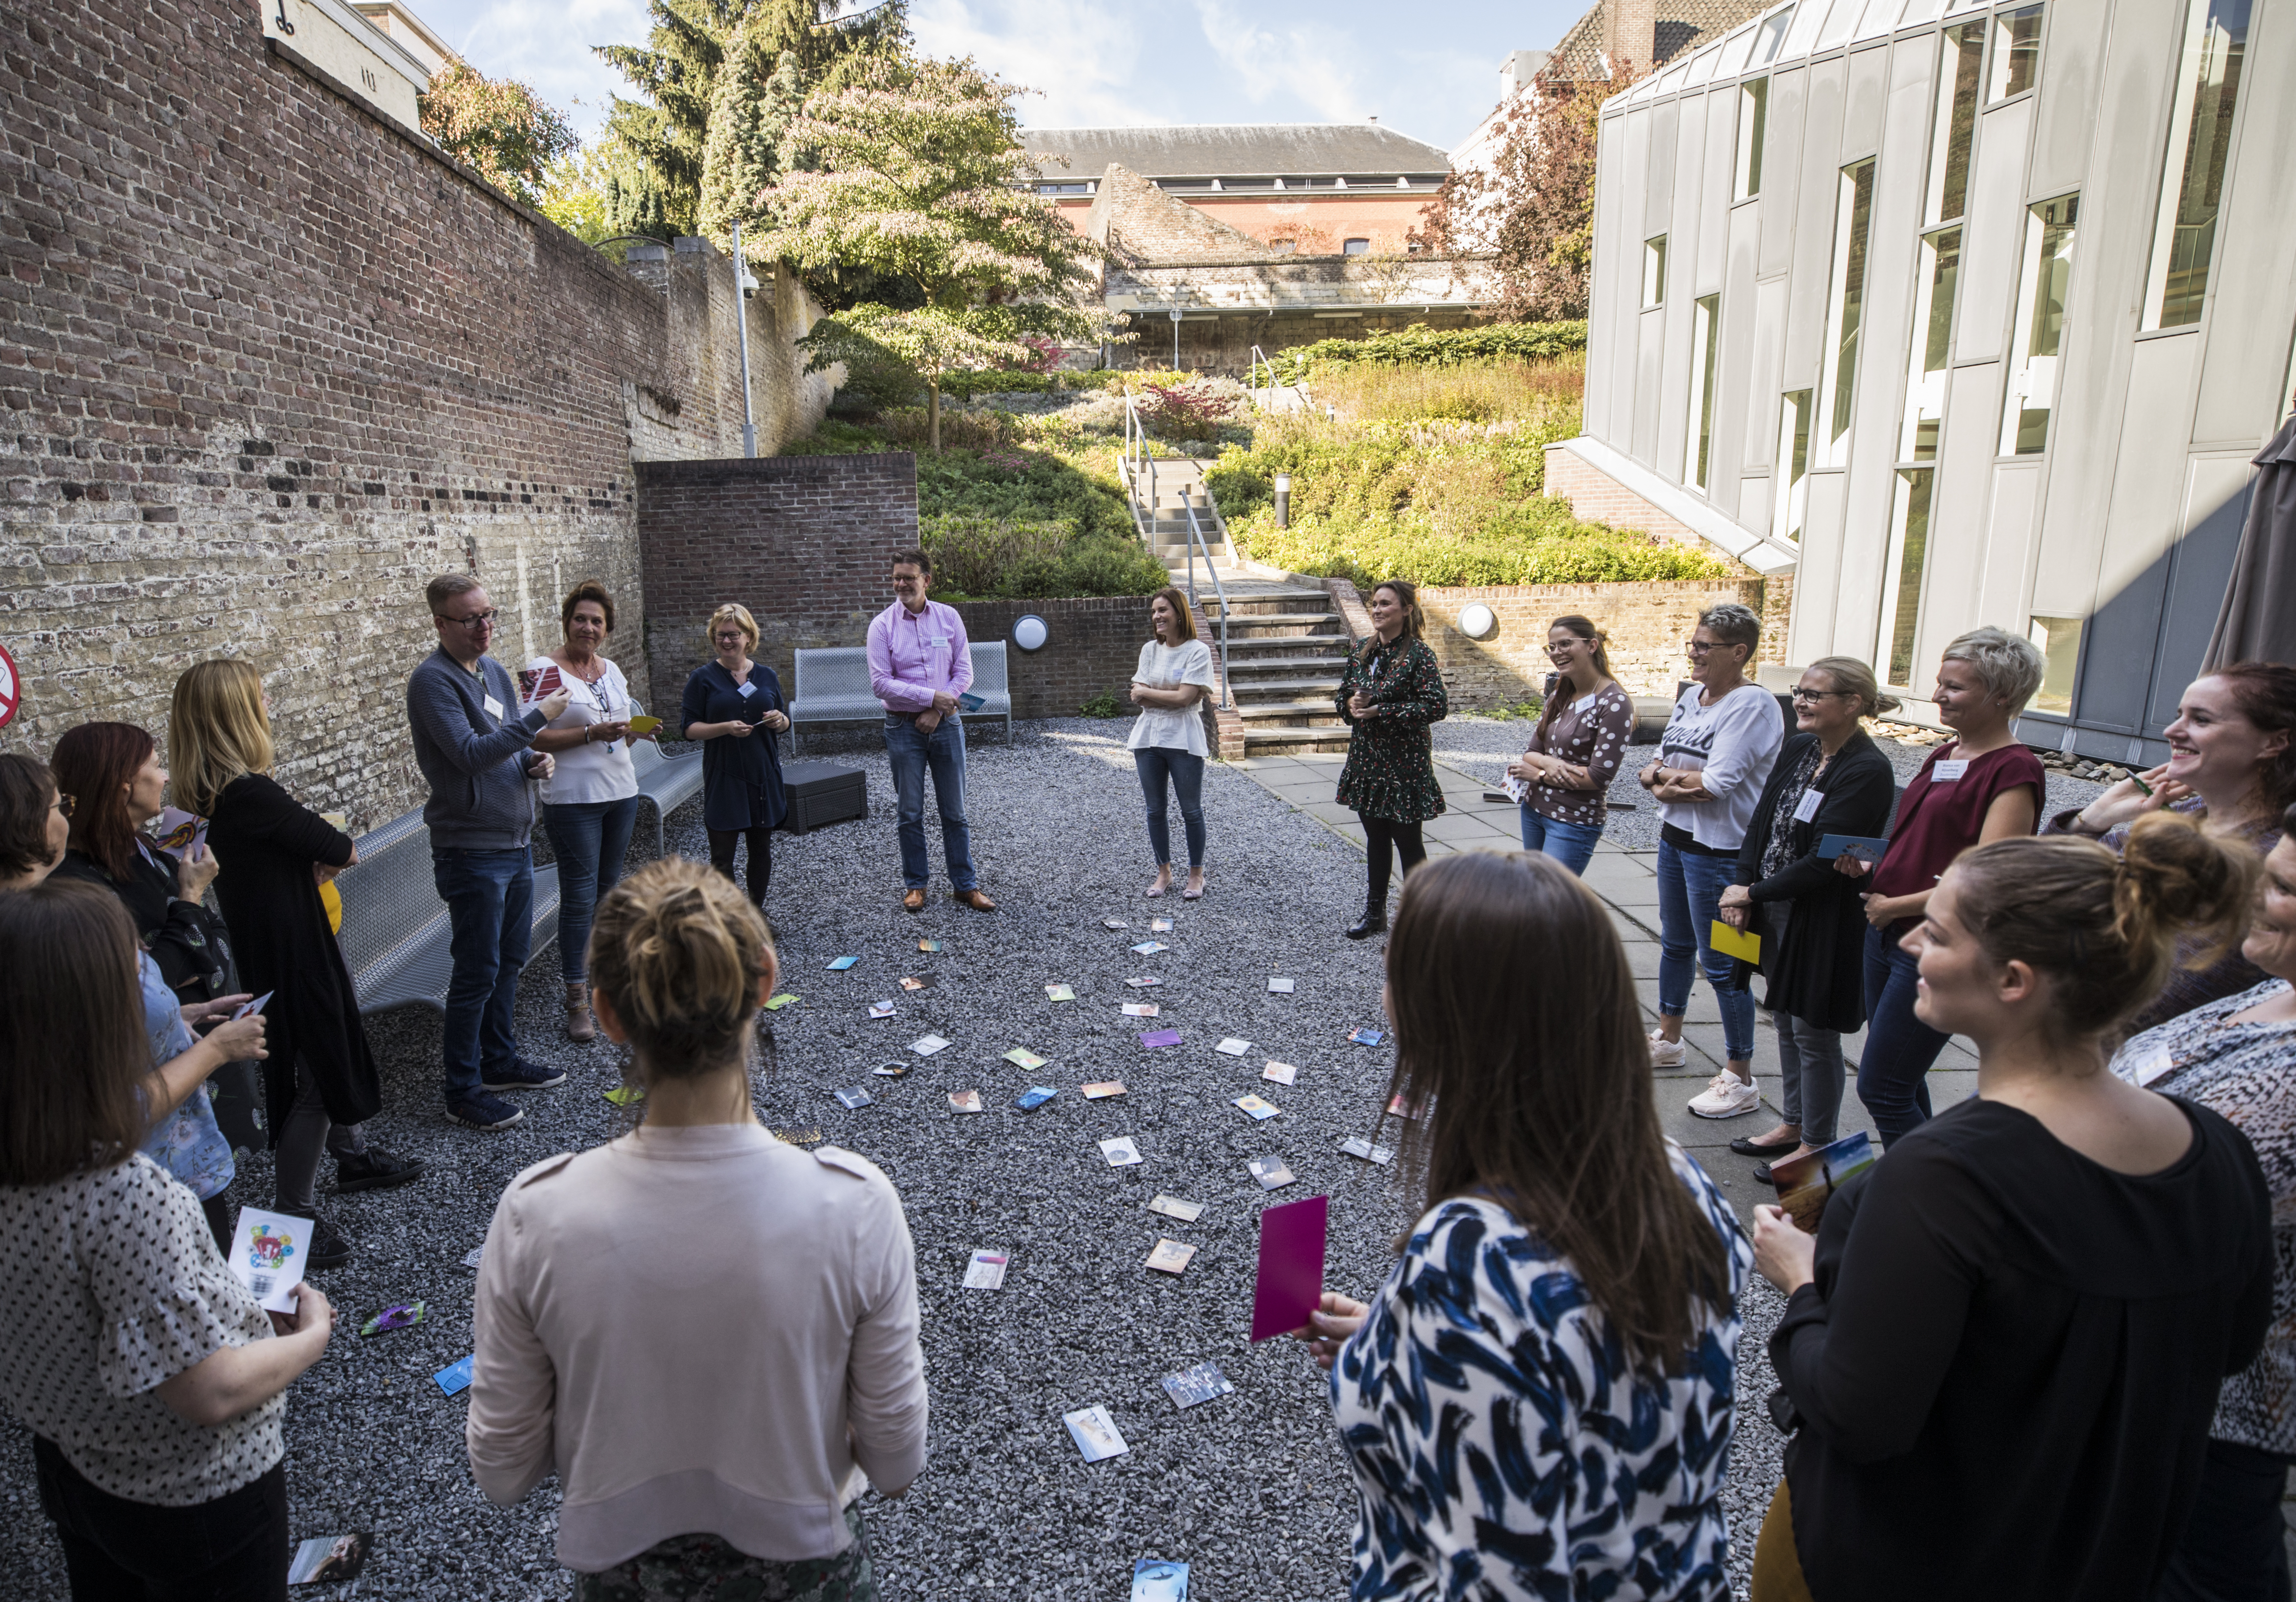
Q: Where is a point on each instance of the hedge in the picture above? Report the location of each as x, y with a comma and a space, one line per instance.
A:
1419, 345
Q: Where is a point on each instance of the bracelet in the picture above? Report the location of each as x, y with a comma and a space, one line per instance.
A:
586, 732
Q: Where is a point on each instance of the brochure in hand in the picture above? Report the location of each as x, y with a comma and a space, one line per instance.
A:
1864, 848
269, 1252
1806, 1183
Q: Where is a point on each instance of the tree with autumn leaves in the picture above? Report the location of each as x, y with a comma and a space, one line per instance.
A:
499, 127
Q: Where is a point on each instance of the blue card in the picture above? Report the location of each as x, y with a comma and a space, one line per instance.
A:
972, 702
1036, 1097
456, 1378
1865, 847
1366, 1037
1159, 1579
842, 962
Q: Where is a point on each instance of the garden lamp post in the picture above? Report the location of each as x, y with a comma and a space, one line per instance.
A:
1175, 339
1283, 500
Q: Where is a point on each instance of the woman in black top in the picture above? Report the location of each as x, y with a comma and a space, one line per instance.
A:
1391, 692
320, 1081
734, 706
1830, 778
2002, 1351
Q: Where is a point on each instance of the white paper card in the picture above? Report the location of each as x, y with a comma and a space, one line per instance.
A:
269, 1252
1947, 773
1121, 1152
985, 1272
1282, 987
493, 709
1283, 1073
924, 1045
1095, 1433
1811, 800
747, 690
1357, 1147
1232, 1047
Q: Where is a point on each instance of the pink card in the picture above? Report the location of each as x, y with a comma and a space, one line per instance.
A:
1290, 1285
1162, 1037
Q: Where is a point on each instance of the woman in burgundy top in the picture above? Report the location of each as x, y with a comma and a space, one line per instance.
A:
1979, 786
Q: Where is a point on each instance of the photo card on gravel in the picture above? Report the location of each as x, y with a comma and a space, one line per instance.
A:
781, 1001
985, 1272
1160, 925
1271, 1172
1103, 1088
471, 1258
881, 1009
1366, 1037
329, 1559
1232, 1047
1171, 1257
1034, 1096
1283, 1073
1159, 1036
1095, 1433
1060, 992
892, 1070
1114, 924
1121, 1152
1257, 1106
928, 945
838, 964
1187, 1213
926, 983
854, 1098
454, 1378
405, 1315
924, 1045
1142, 1009
1021, 1056
1283, 986
624, 1095
1147, 982
965, 1101
1148, 948
1202, 1383
1160, 1580
1357, 1146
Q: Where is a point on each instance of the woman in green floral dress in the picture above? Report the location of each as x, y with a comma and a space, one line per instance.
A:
1392, 691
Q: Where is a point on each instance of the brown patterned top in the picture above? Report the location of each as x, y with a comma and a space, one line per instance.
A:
1590, 733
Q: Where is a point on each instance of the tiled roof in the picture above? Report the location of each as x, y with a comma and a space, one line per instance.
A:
1238, 150
1682, 25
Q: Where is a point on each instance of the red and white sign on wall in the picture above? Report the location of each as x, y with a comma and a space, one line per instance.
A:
11, 692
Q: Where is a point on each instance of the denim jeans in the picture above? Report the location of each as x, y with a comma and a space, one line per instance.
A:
1892, 1071
2235, 1548
1690, 889
1809, 1067
590, 839
1186, 770
910, 753
1572, 844
489, 897
235, 1545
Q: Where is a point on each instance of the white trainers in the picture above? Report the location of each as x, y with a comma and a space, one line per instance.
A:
1664, 1053
1726, 1096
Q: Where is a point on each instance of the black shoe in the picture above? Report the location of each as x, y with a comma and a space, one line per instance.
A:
523, 1075
328, 1249
374, 1169
1746, 1146
480, 1111
1762, 1175
1373, 921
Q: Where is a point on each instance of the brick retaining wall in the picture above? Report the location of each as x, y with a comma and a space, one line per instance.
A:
1092, 646
1647, 623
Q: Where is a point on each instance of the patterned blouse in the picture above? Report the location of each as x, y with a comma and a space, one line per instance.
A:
1390, 767
187, 1142
2247, 1072
1590, 733
1504, 1447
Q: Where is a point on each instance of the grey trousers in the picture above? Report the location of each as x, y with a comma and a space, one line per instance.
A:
306, 1130
1809, 1066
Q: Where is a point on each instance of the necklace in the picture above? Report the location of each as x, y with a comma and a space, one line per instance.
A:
596, 662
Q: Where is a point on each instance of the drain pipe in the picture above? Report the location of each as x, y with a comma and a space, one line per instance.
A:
742, 284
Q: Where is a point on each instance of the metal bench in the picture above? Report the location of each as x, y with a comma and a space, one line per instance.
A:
395, 938
832, 686
665, 783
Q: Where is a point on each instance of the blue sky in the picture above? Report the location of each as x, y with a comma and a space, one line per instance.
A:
1427, 72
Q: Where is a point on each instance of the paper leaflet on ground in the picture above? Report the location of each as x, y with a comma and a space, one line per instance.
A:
1095, 1433
1283, 1073
1121, 1152
1187, 1213
965, 1101
269, 1252
986, 1271
1202, 1383
1356, 1146
1170, 1257
1806, 1183
1290, 1282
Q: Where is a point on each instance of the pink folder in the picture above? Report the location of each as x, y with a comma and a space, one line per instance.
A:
1291, 1284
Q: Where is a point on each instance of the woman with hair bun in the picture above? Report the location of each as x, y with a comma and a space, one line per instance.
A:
2012, 1328
1575, 751
1390, 694
711, 1335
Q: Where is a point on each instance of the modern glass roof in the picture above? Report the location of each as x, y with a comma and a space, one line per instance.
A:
1790, 33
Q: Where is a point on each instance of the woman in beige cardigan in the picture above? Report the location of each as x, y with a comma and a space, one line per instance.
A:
711, 1336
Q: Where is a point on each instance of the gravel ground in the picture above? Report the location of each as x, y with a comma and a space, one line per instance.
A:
1251, 1488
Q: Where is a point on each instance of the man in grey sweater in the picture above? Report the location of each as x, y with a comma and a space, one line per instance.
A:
476, 751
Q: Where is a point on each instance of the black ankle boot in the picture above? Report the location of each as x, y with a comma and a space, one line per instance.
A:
1373, 921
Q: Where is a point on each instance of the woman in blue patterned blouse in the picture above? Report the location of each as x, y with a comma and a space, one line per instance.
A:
1538, 1403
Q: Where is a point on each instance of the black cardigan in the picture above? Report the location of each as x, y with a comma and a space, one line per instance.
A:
1817, 974
2003, 1373
175, 930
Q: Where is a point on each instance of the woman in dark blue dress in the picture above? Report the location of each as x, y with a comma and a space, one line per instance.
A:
734, 706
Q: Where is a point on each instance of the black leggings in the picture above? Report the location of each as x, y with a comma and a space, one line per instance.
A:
761, 858
1381, 835
116, 1550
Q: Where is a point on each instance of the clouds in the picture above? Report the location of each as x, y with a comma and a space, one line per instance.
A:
1088, 62
1284, 71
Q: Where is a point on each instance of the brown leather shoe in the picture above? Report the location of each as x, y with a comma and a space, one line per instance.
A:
978, 900
915, 901
579, 1028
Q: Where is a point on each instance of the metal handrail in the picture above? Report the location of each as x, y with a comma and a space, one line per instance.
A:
1259, 360
1138, 457
1196, 545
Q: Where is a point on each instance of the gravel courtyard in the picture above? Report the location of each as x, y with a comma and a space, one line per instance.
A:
1249, 1489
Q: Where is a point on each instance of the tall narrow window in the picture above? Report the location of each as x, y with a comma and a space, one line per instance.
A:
1705, 340
1853, 214
1792, 474
1925, 367
1653, 272
1901, 578
2191, 176
1753, 122
2059, 639
2016, 51
1958, 81
2040, 324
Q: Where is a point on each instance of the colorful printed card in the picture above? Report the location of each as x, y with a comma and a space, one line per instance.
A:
1021, 1056
1100, 1088
454, 1378
1808, 1182
925, 984
1160, 925
1743, 944
779, 1002
928, 945
1397, 1109
1187, 1213
1114, 924
1283, 1073
1142, 1009
881, 1009
986, 1271
406, 1315
1161, 1036
1059, 992
1357, 1147
269, 1252
327, 1559
645, 724
626, 1096
892, 1070
1148, 948
1366, 1037
1260, 1109
1121, 1152
181, 833
965, 1101
1160, 1580
1034, 1096
1170, 1257
1271, 1174
1202, 1383
1142, 984
839, 964
1095, 1433
924, 1045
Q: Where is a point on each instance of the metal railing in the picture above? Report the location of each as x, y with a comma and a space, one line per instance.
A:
1258, 360
1136, 461
1136, 466
1196, 545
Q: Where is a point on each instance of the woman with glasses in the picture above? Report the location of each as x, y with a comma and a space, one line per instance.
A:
734, 706
1713, 761
1830, 779
590, 801
1566, 770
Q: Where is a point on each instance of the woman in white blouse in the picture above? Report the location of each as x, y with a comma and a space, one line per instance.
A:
590, 801
1168, 738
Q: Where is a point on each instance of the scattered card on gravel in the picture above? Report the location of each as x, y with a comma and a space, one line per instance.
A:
626, 1096
1095, 1433
1232, 1047
1114, 924
854, 1098
839, 964
403, 1316
924, 1045
454, 1378
329, 1559
471, 1258
1257, 1107
1283, 986
928, 945
1187, 1213
985, 1272
1098, 1089
1356, 1146
1148, 948
1145, 983
1159, 1036
1366, 1037
1270, 1172
1142, 1009
1121, 1152
1160, 925
1283, 1073
1202, 1383
892, 1070
1170, 1257
965, 1101
1021, 1056
1059, 992
925, 984
1034, 1096
780, 1001
881, 1009
1160, 1580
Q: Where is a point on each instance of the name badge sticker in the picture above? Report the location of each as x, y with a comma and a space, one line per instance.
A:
1949, 773
2153, 1064
493, 709
747, 690
1811, 800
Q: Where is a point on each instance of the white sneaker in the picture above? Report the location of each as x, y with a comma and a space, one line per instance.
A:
1664, 1053
1726, 1096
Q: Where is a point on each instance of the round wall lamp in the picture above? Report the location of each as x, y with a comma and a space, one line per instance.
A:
1475, 620
1029, 632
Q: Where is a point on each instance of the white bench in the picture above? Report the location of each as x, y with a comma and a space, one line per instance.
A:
832, 686
395, 941
665, 783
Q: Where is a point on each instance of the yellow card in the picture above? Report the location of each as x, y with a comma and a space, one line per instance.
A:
780, 1001
1742, 944
643, 725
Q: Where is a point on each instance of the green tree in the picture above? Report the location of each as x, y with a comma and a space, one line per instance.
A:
923, 181
498, 126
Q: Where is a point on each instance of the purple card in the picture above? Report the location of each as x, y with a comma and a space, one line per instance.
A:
1291, 1284
1161, 1036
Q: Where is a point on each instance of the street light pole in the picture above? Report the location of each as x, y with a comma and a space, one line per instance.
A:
1175, 339
741, 323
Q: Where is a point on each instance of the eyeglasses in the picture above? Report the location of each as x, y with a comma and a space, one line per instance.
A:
1565, 650
730, 633
1700, 647
477, 620
1802, 694
66, 804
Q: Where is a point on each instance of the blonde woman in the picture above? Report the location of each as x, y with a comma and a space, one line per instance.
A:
721, 1451
272, 853
1168, 741
734, 706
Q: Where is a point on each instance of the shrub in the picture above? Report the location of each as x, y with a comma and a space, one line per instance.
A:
1538, 392
978, 558
1567, 552
1420, 346
1102, 705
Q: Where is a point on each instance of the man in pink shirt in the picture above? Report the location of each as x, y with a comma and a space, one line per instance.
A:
920, 663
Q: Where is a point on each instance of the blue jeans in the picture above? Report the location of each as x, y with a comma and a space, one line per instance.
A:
1572, 844
1186, 770
910, 753
489, 897
1690, 889
1810, 1072
1892, 1071
590, 839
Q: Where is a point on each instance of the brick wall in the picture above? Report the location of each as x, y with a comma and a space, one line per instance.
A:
1647, 624
1596, 497
804, 542
1092, 646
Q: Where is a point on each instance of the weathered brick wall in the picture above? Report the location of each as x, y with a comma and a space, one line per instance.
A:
804, 542
1596, 497
267, 364
1092, 646
1647, 624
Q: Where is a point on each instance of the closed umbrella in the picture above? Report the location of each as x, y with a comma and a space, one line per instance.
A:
2258, 621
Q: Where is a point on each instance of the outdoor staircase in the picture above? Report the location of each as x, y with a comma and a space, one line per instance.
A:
1286, 651
1165, 520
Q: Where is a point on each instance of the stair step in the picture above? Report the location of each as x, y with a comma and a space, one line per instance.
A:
1288, 619
1327, 687
1291, 708
1285, 642
1260, 740
1296, 666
